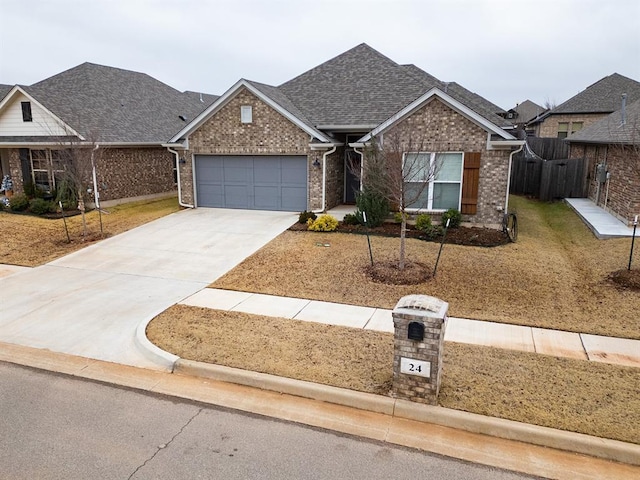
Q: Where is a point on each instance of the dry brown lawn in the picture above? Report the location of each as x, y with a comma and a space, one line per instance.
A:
574, 395
31, 241
555, 276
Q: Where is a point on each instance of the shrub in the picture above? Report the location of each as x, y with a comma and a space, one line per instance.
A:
423, 222
19, 203
29, 189
351, 219
454, 216
375, 205
305, 216
40, 206
67, 194
397, 217
324, 223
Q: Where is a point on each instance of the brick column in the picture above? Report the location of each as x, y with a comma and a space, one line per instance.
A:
419, 322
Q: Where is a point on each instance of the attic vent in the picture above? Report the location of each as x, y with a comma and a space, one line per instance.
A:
26, 112
182, 117
246, 114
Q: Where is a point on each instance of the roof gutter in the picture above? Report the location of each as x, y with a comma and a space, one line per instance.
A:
504, 144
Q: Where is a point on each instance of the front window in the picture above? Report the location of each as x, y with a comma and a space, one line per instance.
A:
433, 181
47, 168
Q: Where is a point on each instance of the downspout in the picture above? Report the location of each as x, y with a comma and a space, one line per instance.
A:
506, 200
180, 202
355, 149
324, 178
96, 195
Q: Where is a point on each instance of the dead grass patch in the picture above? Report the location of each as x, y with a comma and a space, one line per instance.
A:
556, 276
574, 395
31, 241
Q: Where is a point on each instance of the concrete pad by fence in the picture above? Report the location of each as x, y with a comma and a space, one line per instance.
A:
558, 343
489, 334
621, 351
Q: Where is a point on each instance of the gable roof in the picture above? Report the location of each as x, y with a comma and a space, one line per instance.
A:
363, 87
268, 94
113, 105
448, 100
528, 111
611, 130
604, 96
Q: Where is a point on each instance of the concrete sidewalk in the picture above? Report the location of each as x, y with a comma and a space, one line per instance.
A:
618, 351
600, 222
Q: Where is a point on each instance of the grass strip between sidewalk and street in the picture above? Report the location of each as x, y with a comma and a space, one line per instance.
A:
574, 395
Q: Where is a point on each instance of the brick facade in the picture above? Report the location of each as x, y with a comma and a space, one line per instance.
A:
620, 195
121, 172
270, 133
549, 126
437, 128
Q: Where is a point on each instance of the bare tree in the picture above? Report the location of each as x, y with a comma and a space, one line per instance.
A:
400, 172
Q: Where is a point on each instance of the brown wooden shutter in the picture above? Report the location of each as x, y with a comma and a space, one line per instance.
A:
470, 181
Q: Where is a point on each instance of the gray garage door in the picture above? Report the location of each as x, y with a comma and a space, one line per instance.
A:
252, 182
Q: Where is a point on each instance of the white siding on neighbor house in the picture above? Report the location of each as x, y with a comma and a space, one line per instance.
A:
43, 124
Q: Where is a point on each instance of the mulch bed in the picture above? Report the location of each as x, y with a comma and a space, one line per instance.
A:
626, 279
471, 236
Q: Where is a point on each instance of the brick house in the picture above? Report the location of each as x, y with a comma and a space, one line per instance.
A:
612, 147
587, 107
294, 147
127, 115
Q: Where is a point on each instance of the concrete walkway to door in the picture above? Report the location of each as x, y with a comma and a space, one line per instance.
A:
89, 303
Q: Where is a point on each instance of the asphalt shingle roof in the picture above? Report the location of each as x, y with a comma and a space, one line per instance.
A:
604, 96
114, 105
363, 87
4, 89
528, 111
611, 130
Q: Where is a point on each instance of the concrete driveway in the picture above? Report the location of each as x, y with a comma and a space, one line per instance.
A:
90, 302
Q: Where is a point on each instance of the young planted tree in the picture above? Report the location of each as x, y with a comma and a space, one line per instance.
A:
400, 172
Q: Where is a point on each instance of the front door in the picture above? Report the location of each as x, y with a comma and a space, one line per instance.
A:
352, 176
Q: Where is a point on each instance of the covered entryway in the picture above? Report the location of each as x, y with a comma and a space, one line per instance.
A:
268, 182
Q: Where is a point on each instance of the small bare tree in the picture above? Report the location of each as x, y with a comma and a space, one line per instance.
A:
78, 160
400, 172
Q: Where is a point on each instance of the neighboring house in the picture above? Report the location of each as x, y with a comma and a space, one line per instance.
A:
612, 146
592, 104
524, 113
129, 116
291, 147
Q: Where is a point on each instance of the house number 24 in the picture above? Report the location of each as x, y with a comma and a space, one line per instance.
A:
411, 366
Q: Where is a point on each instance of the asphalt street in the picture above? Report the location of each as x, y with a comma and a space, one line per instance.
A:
58, 427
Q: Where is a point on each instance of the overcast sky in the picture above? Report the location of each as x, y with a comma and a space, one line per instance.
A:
506, 51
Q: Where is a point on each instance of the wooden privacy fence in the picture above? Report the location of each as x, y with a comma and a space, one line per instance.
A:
549, 179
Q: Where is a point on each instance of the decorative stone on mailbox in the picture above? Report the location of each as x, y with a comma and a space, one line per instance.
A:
419, 325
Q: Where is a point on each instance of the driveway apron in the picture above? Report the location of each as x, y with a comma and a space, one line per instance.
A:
90, 302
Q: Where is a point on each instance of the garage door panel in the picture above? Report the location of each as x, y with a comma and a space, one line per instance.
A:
252, 182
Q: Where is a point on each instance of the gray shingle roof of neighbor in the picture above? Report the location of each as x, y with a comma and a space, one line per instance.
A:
109, 104
528, 111
611, 129
363, 87
604, 96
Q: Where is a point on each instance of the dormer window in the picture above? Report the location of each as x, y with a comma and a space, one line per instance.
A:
246, 114
26, 112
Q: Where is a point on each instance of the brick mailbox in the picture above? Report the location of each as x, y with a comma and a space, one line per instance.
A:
419, 323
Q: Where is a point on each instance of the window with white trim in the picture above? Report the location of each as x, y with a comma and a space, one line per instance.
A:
246, 114
433, 180
47, 168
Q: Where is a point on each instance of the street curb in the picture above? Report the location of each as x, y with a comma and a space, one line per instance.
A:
151, 351
496, 427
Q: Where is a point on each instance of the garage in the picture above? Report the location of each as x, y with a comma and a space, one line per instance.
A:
267, 182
